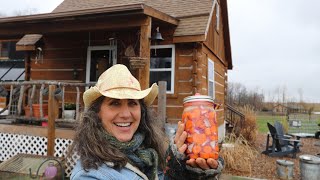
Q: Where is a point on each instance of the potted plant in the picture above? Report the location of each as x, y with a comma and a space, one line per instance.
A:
69, 110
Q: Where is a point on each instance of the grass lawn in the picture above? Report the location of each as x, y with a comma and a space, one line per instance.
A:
263, 119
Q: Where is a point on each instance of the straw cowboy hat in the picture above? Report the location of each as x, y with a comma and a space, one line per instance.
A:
117, 82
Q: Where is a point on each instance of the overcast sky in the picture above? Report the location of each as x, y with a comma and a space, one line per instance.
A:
9, 7
275, 43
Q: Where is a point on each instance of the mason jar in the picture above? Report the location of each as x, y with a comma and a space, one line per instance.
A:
200, 121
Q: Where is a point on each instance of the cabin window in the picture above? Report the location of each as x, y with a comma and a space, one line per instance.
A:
99, 59
211, 88
162, 62
8, 50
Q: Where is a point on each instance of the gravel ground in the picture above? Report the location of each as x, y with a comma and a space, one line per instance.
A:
264, 167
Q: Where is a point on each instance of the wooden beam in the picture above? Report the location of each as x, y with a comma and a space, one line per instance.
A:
160, 15
27, 63
52, 114
25, 48
72, 26
162, 102
144, 73
191, 38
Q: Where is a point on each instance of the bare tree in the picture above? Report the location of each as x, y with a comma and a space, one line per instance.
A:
238, 95
24, 12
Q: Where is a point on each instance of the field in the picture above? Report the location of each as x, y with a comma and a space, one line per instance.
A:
263, 118
263, 166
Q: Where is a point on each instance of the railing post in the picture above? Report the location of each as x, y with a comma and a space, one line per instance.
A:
162, 101
52, 114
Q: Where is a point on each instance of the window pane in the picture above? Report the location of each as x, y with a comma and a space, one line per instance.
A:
161, 76
4, 49
158, 62
161, 58
210, 89
210, 70
8, 50
163, 52
100, 61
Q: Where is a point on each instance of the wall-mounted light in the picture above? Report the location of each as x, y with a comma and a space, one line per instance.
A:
39, 55
156, 37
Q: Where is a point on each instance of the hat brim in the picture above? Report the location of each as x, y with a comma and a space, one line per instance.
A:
148, 95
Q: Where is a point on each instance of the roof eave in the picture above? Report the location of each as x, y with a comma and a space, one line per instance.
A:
138, 8
189, 38
224, 8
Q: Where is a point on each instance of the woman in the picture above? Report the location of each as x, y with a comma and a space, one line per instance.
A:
119, 138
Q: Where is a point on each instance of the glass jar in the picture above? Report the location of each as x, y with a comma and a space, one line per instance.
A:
201, 124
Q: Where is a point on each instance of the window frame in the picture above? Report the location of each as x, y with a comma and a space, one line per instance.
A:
93, 48
210, 61
172, 69
7, 41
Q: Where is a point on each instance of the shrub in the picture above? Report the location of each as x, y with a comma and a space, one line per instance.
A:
69, 106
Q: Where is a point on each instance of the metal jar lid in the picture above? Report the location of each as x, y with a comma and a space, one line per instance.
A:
198, 97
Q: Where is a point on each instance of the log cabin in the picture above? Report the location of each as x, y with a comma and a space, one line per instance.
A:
185, 43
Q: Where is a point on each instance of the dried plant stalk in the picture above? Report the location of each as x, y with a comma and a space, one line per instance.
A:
240, 156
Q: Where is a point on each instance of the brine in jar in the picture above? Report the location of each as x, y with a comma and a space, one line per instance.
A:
201, 124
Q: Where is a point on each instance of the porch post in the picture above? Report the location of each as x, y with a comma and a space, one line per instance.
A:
144, 73
27, 62
52, 114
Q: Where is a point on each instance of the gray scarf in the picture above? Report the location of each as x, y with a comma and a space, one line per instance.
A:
146, 159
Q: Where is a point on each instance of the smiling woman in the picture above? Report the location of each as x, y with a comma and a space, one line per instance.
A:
120, 138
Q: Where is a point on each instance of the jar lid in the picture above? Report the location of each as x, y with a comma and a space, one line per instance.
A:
198, 97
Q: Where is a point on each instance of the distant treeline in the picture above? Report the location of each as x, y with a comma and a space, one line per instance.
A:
240, 96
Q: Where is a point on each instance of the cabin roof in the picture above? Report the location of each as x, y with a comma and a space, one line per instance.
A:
191, 17
187, 11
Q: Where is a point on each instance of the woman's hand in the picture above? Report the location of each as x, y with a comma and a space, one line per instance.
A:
179, 140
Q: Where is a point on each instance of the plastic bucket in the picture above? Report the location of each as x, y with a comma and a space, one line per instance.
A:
285, 169
309, 167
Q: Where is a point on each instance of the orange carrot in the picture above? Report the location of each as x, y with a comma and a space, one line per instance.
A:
199, 138
204, 155
189, 124
207, 149
207, 131
200, 124
213, 138
189, 139
196, 149
193, 156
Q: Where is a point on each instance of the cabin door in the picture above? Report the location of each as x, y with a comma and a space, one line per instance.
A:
99, 58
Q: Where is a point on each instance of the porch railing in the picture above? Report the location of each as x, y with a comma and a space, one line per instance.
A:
234, 119
22, 95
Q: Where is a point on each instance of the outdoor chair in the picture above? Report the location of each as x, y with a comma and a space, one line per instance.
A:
280, 146
284, 139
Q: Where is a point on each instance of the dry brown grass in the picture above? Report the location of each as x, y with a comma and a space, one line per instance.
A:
239, 157
249, 126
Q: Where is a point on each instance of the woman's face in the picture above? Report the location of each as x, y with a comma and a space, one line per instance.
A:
120, 117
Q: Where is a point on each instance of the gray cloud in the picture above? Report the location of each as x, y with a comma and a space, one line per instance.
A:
275, 44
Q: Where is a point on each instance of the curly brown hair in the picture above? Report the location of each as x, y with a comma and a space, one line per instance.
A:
91, 145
